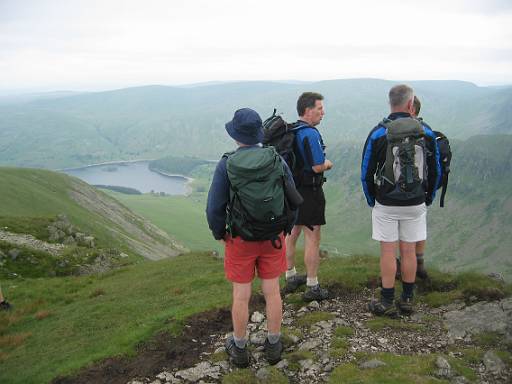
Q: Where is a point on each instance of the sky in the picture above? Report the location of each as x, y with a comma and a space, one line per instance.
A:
88, 45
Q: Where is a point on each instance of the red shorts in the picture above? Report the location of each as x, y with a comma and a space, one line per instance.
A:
242, 258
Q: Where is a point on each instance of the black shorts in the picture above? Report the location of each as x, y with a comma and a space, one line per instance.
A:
312, 211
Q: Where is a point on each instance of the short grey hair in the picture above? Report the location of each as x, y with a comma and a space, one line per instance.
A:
400, 94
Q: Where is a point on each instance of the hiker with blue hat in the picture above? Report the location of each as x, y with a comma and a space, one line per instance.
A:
251, 206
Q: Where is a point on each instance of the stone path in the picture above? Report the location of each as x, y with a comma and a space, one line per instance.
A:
321, 336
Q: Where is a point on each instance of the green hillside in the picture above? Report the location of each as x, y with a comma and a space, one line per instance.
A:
33, 197
156, 121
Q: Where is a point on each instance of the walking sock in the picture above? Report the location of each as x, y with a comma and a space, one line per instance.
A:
273, 337
291, 272
388, 295
240, 343
407, 290
419, 258
312, 281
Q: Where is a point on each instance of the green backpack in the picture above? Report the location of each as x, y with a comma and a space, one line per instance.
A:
258, 208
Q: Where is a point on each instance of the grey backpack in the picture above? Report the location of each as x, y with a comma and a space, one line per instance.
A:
405, 167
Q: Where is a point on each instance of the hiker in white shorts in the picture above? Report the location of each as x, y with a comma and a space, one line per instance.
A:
400, 172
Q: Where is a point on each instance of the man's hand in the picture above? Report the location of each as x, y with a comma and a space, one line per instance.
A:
322, 167
222, 241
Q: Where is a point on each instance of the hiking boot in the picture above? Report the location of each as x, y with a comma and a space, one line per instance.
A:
238, 356
398, 275
273, 351
5, 306
421, 272
294, 282
382, 308
405, 305
315, 293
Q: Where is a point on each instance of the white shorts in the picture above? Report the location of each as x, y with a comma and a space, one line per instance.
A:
391, 223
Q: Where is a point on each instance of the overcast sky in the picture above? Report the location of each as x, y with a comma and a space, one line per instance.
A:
104, 44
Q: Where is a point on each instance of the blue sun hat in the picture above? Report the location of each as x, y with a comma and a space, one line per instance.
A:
246, 127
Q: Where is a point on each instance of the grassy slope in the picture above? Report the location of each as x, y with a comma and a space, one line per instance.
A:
94, 317
30, 193
182, 217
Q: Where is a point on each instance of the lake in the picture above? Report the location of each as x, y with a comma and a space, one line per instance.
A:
132, 175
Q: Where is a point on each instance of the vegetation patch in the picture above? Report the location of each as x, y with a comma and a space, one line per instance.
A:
36, 226
218, 356
437, 299
399, 369
343, 331
314, 317
240, 376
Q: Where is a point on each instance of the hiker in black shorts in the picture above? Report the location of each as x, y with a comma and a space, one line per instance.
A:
309, 178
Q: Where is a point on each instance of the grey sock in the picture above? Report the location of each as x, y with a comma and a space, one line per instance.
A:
240, 343
273, 337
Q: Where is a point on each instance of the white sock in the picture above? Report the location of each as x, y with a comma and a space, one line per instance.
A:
291, 272
312, 281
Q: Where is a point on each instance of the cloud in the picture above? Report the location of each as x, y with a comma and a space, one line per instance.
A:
96, 44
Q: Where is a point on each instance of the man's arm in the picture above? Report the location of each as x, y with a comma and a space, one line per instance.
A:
369, 164
315, 153
218, 197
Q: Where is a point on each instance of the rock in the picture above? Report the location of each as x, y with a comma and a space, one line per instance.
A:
224, 365
313, 305
371, 364
166, 376
79, 237
199, 371
458, 380
306, 364
257, 317
156, 382
258, 338
481, 317
70, 240
282, 364
496, 276
89, 242
263, 374
310, 344
493, 363
444, 368
14, 253
324, 324
294, 339
328, 367
220, 349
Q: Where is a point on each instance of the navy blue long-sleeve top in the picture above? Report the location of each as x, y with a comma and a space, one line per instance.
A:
374, 155
218, 195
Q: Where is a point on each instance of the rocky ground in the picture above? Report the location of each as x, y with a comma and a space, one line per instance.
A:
320, 337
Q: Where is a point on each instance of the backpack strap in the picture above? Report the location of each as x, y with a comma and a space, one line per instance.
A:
443, 191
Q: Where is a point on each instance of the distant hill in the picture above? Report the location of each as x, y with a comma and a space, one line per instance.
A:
29, 196
158, 121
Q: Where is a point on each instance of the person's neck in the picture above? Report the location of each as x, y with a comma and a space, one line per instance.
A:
309, 122
400, 110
